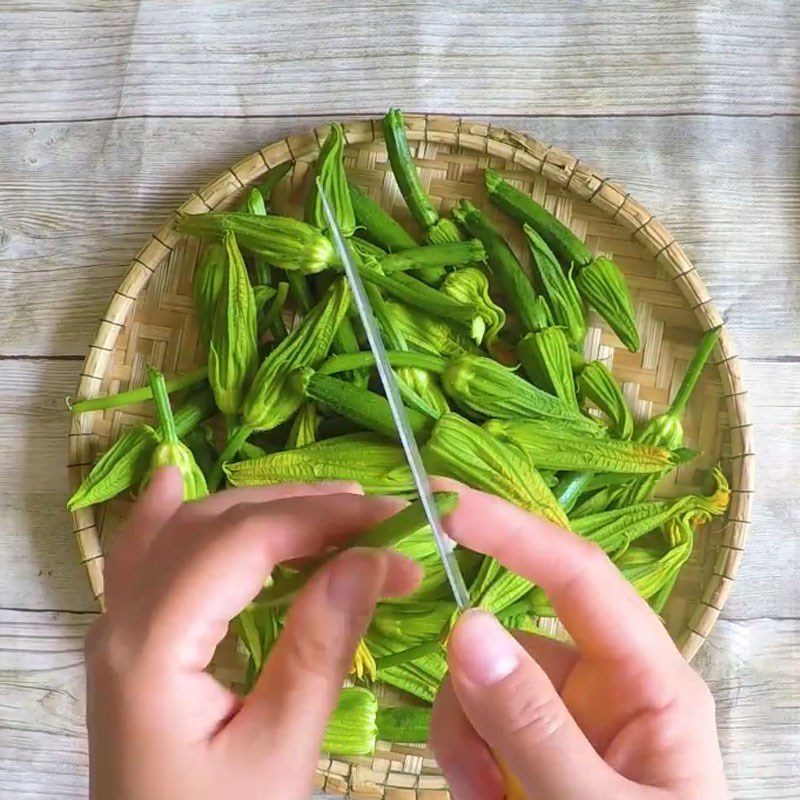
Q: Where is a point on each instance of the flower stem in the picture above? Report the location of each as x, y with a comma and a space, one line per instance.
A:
235, 441
411, 654
397, 358
137, 395
693, 371
163, 409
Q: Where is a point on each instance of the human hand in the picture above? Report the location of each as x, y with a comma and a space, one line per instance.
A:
159, 725
620, 715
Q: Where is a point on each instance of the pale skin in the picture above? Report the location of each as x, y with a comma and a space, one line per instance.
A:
617, 715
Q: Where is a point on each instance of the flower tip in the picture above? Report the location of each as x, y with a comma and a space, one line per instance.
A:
478, 251
493, 426
632, 342
300, 378
478, 329
492, 179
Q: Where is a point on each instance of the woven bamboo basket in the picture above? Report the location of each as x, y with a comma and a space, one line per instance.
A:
150, 321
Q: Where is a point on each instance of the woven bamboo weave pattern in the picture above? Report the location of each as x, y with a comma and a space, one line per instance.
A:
150, 321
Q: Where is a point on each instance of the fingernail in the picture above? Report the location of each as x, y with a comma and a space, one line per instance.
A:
483, 650
356, 576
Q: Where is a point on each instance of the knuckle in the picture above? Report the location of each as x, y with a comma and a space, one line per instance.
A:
593, 560
664, 730
645, 683
254, 521
534, 718
313, 653
236, 515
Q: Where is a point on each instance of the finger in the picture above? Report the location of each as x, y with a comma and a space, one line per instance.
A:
153, 509
587, 591
293, 699
515, 709
202, 581
557, 659
466, 760
221, 501
463, 756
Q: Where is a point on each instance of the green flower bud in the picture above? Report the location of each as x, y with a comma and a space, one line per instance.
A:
283, 242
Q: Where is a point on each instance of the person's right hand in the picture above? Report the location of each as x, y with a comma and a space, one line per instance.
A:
618, 716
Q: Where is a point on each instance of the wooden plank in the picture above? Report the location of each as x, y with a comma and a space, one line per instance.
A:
40, 559
752, 667
247, 58
38, 547
73, 220
63, 255
43, 750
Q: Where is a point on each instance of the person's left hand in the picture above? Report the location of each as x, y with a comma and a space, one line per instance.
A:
159, 725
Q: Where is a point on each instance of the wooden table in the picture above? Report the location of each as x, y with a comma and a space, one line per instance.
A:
110, 114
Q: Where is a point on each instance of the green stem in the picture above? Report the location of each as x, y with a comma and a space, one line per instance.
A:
271, 180
571, 487
577, 360
522, 606
137, 395
345, 342
397, 358
660, 598
254, 204
392, 337
272, 320
411, 654
262, 295
693, 371
198, 406
405, 171
235, 441
366, 408
505, 267
416, 293
384, 534
299, 286
451, 254
163, 409
568, 248
378, 226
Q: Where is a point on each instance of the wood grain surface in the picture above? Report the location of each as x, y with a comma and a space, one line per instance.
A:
110, 114
89, 59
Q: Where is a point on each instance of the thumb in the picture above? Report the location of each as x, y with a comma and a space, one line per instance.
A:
514, 708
